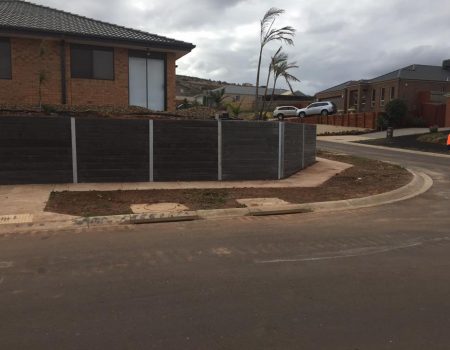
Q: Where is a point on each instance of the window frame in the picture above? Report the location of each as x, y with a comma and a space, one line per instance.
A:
373, 98
92, 48
382, 96
8, 41
392, 93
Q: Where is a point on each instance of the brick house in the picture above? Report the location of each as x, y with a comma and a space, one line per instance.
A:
408, 84
55, 57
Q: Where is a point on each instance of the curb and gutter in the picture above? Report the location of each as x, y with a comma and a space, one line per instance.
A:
396, 149
420, 183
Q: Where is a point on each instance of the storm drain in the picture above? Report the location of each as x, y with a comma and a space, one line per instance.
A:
16, 219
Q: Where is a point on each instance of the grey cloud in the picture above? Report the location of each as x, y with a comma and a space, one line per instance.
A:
336, 41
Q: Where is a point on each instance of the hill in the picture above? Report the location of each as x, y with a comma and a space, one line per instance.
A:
192, 86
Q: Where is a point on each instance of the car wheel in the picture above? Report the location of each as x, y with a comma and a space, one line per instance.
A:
324, 112
280, 116
302, 115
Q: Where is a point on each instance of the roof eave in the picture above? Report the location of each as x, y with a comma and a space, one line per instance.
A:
181, 47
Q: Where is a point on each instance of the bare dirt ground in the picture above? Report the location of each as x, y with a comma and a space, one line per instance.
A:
365, 178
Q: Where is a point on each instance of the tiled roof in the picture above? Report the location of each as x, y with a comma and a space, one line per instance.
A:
337, 87
416, 72
22, 16
412, 72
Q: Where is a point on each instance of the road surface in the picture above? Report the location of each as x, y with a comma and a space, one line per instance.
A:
374, 278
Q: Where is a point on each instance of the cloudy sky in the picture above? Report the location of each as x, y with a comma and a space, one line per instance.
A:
336, 40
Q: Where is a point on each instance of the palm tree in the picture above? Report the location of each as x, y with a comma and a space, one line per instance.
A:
275, 60
217, 97
268, 34
281, 70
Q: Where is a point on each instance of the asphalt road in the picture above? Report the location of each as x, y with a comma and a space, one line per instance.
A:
374, 278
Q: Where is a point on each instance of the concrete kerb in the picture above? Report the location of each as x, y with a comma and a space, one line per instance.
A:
420, 183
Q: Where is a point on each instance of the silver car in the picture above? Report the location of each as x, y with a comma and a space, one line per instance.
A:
322, 107
285, 111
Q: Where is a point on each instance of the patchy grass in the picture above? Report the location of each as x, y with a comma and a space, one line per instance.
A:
366, 177
434, 137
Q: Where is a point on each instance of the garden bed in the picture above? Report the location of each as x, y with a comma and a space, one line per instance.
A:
365, 178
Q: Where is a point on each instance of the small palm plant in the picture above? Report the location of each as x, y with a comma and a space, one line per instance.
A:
269, 34
281, 70
217, 97
275, 61
235, 108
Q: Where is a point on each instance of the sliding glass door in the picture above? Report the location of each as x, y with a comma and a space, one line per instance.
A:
147, 82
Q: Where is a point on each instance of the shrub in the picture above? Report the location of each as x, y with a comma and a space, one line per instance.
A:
434, 128
382, 121
396, 111
48, 109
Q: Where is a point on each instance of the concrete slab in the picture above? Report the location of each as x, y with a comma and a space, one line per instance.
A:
16, 219
313, 176
158, 208
23, 199
261, 202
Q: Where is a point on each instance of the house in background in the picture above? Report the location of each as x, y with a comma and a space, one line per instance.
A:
243, 94
410, 84
55, 57
297, 99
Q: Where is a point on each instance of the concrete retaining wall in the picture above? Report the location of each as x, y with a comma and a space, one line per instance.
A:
64, 150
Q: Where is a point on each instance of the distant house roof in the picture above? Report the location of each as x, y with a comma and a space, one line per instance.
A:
412, 72
337, 87
25, 17
247, 90
416, 72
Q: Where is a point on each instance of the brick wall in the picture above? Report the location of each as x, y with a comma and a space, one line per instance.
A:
30, 57
367, 120
171, 82
447, 113
100, 92
410, 91
27, 63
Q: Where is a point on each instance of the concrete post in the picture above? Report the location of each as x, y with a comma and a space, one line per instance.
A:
303, 146
151, 150
281, 127
219, 150
73, 133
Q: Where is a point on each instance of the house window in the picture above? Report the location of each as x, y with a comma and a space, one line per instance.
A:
237, 98
89, 62
382, 92
5, 59
392, 93
372, 102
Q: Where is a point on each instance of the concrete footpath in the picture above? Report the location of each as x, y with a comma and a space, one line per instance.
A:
31, 199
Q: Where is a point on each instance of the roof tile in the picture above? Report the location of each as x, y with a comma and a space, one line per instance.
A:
25, 16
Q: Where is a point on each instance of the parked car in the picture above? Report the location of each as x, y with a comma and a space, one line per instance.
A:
322, 107
285, 111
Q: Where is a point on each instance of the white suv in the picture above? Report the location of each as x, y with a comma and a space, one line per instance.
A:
285, 111
322, 107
